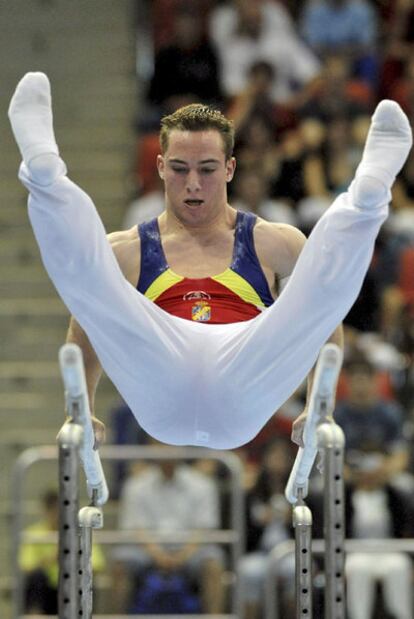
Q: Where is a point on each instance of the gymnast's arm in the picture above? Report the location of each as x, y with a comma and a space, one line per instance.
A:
125, 245
278, 247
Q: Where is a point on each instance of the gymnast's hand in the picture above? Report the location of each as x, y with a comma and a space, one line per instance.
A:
298, 428
99, 431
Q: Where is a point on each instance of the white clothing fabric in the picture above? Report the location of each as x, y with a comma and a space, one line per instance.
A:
189, 500
224, 21
252, 572
278, 43
372, 518
190, 383
393, 570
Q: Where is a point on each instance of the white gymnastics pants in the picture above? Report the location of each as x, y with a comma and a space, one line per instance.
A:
189, 383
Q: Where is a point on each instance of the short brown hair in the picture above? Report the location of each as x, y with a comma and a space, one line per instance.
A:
198, 117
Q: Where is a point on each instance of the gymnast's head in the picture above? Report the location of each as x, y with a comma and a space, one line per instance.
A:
196, 162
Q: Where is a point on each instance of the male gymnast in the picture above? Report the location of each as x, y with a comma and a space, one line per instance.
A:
184, 313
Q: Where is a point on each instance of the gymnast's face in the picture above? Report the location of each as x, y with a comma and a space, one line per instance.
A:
195, 174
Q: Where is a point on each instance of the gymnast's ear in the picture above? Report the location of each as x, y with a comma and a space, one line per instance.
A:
161, 166
230, 168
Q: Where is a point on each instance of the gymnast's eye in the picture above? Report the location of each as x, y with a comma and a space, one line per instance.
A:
207, 170
179, 170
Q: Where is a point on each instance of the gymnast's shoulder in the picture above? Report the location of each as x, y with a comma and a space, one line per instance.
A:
278, 244
126, 247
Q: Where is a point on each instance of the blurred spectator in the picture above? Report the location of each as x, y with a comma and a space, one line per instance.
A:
268, 523
146, 178
290, 181
282, 165
403, 339
348, 27
398, 26
394, 265
371, 424
378, 494
333, 149
337, 93
246, 32
337, 156
251, 193
403, 194
256, 100
309, 211
144, 208
170, 497
375, 508
125, 430
39, 562
255, 147
378, 510
188, 66
163, 13
403, 89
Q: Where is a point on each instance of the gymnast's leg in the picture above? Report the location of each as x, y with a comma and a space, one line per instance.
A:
282, 344
134, 346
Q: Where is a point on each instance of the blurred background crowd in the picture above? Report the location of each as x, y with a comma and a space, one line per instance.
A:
300, 81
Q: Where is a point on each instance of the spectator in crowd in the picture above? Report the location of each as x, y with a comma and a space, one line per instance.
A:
393, 271
371, 424
403, 89
245, 32
403, 339
378, 493
251, 193
145, 206
163, 13
398, 43
39, 562
378, 505
348, 27
256, 148
337, 93
378, 509
268, 523
124, 431
188, 66
256, 100
169, 497
290, 183
403, 192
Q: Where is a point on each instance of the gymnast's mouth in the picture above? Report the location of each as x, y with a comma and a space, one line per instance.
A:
194, 202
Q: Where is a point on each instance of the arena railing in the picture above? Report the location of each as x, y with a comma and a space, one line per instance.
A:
233, 537
76, 443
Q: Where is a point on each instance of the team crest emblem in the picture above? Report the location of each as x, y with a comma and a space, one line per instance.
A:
196, 294
201, 311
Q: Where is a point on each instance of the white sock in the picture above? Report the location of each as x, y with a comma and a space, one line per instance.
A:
30, 114
386, 149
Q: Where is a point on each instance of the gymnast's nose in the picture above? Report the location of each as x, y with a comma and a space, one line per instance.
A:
193, 182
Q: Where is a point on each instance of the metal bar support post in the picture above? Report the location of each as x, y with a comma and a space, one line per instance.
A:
76, 444
302, 522
69, 439
331, 441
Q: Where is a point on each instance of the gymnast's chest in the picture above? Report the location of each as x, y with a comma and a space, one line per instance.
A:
194, 259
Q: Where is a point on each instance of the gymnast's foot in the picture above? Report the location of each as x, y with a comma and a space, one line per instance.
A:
30, 114
386, 150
